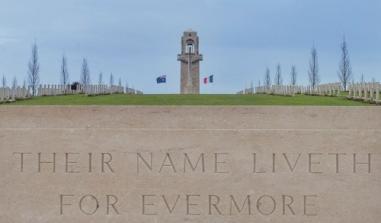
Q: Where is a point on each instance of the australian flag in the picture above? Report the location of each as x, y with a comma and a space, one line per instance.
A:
161, 79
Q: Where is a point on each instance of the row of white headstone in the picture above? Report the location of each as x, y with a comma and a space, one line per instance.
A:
369, 92
8, 94
247, 91
286, 90
57, 89
96, 89
103, 89
331, 89
132, 91
11, 94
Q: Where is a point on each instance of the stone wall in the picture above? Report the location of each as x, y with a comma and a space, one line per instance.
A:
222, 164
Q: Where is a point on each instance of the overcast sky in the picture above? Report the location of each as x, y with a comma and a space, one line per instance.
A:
139, 40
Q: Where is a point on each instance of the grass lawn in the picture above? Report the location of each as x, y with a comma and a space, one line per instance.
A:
174, 99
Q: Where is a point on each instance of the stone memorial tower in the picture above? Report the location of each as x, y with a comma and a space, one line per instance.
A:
190, 63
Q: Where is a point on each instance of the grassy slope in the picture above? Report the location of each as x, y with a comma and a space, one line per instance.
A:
188, 100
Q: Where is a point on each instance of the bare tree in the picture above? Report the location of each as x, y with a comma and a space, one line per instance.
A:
120, 82
267, 81
24, 84
4, 81
100, 78
33, 70
64, 72
345, 70
14, 83
111, 79
293, 75
362, 80
85, 74
313, 72
278, 75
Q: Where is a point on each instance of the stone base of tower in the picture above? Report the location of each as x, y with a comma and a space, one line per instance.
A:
190, 78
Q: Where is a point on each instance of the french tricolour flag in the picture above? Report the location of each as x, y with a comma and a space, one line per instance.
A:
208, 79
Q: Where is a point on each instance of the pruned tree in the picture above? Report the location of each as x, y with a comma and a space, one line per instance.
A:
293, 75
313, 72
85, 74
100, 78
4, 81
64, 72
33, 70
278, 75
362, 80
267, 81
345, 70
111, 79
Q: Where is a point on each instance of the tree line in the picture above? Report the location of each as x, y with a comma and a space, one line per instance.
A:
345, 75
33, 74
